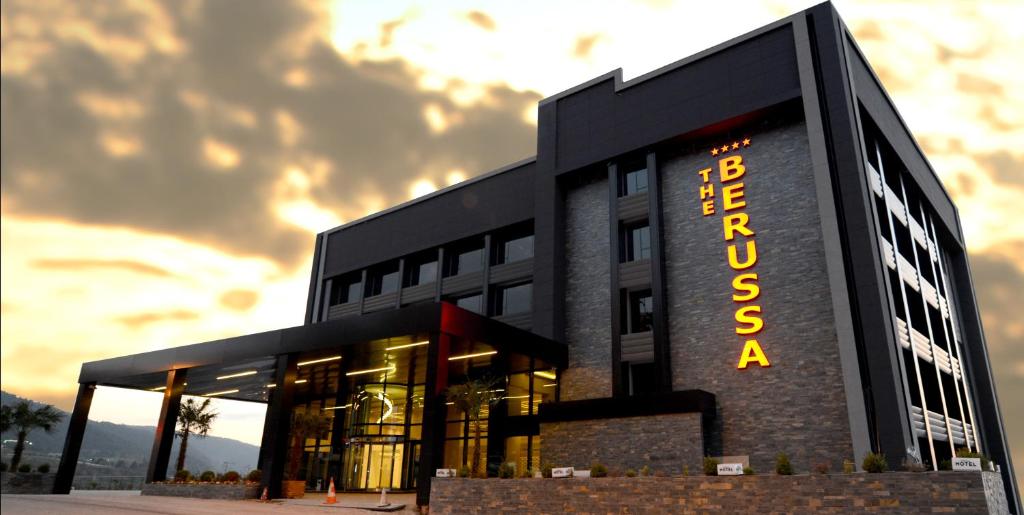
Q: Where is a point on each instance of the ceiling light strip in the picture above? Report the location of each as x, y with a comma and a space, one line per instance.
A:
370, 371
475, 355
225, 392
239, 374
321, 360
406, 346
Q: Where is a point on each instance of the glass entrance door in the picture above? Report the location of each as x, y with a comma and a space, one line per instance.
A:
375, 463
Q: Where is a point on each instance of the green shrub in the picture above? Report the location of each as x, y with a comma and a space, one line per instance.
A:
849, 467
874, 463
254, 476
964, 453
782, 465
945, 465
645, 471
207, 476
748, 471
464, 471
24, 468
686, 470
506, 470
182, 475
710, 466
598, 470
44, 468
630, 473
545, 470
527, 472
231, 476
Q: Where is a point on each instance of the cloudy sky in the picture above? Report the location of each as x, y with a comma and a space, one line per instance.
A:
165, 165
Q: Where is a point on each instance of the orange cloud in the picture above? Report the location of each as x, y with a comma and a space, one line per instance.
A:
86, 264
143, 319
482, 20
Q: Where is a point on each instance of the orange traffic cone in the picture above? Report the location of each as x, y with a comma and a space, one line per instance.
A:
332, 497
265, 496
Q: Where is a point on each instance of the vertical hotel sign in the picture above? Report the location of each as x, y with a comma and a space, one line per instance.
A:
722, 196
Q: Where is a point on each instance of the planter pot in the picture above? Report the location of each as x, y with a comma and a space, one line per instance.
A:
293, 489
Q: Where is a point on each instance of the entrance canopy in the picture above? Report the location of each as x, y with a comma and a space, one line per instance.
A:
243, 367
400, 361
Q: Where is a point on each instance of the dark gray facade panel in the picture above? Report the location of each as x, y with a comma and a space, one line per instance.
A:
798, 338
872, 310
587, 299
877, 103
491, 203
599, 123
855, 375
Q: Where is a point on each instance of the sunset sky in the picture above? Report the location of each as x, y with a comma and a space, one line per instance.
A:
165, 165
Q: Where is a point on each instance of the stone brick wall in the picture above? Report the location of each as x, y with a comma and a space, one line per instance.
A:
665, 443
798, 405
896, 493
587, 298
202, 490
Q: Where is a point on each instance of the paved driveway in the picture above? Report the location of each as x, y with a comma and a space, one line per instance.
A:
115, 503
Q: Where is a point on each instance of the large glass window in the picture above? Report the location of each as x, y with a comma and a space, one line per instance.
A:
474, 303
419, 272
382, 280
636, 242
639, 312
634, 181
516, 249
464, 259
345, 289
514, 299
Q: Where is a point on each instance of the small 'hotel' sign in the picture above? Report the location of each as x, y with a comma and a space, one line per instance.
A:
561, 472
446, 473
741, 250
967, 464
730, 469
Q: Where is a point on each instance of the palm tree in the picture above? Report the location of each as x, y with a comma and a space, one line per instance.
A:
470, 398
304, 425
25, 419
193, 418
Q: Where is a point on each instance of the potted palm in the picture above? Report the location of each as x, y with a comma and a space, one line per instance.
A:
193, 418
470, 398
304, 425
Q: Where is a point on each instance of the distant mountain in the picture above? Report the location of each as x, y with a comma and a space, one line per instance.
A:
124, 450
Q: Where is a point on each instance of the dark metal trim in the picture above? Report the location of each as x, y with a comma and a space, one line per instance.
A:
615, 304
277, 425
163, 438
659, 291
684, 401
316, 296
73, 439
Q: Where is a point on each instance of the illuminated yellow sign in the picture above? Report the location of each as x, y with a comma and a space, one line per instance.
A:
741, 245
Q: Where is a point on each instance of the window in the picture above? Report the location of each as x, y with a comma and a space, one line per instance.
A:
633, 182
420, 272
516, 249
474, 303
381, 281
345, 289
640, 378
464, 260
639, 313
636, 243
512, 300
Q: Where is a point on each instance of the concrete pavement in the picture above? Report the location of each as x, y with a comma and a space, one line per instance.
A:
89, 503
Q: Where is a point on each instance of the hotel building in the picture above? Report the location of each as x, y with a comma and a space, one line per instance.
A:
742, 253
